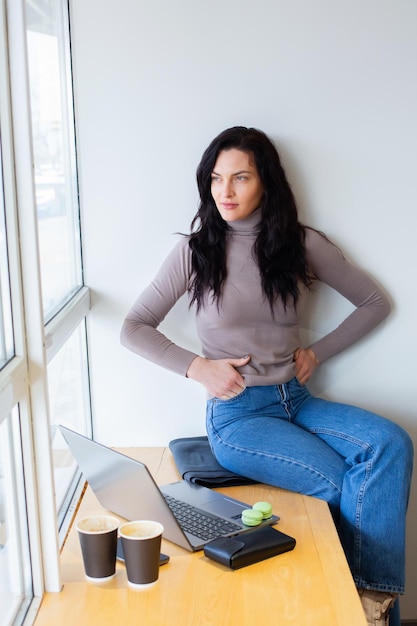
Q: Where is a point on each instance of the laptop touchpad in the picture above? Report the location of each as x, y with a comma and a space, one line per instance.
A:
224, 508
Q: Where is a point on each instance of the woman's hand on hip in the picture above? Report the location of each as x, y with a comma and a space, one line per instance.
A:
305, 364
220, 377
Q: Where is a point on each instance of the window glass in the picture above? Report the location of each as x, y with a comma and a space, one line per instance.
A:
6, 330
15, 575
69, 406
54, 153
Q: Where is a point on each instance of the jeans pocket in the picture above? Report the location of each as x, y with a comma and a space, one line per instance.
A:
235, 398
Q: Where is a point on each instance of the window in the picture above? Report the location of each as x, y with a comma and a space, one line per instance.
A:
43, 301
16, 586
58, 225
69, 405
52, 121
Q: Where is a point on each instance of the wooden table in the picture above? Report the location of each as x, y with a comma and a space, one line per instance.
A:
310, 586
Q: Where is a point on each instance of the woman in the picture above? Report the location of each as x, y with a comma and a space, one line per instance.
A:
248, 267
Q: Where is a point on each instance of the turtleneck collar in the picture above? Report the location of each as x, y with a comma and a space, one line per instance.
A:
248, 225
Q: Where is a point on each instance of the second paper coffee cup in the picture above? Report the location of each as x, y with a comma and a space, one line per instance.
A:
141, 540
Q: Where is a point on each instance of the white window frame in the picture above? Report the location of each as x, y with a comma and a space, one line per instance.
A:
36, 439
23, 380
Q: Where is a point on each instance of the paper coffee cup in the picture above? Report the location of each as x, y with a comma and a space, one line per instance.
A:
141, 540
98, 540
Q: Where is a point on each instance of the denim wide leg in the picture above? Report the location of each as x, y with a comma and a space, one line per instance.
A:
359, 462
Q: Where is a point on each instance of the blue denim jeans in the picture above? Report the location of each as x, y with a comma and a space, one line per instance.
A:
359, 462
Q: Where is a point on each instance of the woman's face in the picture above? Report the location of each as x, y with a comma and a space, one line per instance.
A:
235, 185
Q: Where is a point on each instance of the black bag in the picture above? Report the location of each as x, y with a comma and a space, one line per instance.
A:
196, 463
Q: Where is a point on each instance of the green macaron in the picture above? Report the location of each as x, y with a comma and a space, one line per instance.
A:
250, 517
265, 508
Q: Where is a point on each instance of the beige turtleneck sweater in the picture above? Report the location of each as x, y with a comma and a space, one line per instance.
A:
243, 323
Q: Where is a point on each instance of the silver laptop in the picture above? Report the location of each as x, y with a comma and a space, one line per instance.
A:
126, 487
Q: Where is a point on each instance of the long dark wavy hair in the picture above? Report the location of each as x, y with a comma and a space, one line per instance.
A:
279, 248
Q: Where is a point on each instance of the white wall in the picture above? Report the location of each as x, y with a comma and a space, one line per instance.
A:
333, 82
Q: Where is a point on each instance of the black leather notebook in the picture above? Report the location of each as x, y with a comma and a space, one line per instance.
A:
249, 548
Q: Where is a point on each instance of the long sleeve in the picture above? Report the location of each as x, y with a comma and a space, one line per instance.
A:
372, 306
243, 323
139, 331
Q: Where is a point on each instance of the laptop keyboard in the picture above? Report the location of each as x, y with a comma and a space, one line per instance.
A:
199, 523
